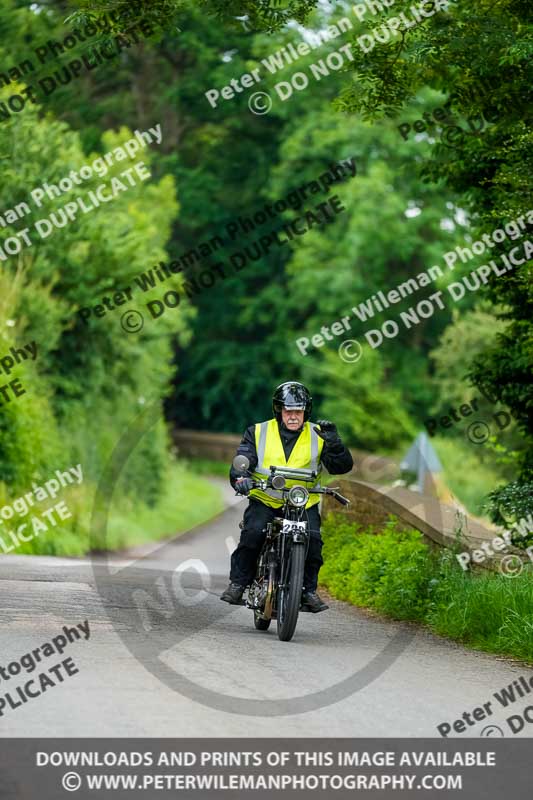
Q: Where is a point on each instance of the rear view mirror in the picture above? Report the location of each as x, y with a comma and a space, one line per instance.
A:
241, 464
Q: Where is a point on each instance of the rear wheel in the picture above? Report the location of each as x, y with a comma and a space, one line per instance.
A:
290, 596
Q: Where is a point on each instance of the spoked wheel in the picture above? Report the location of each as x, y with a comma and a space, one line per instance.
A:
290, 596
260, 623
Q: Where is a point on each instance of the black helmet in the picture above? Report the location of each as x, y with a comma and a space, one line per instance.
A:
292, 395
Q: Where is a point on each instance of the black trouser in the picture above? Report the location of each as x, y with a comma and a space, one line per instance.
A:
244, 558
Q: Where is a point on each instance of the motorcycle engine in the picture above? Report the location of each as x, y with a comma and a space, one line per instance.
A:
257, 593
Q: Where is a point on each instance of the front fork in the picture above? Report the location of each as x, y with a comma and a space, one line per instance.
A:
269, 600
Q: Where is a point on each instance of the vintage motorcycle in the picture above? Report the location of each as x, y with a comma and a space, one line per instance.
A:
277, 588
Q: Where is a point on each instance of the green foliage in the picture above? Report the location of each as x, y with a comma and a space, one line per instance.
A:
388, 572
88, 380
370, 414
467, 336
124, 15
293, 291
488, 612
205, 466
505, 370
29, 436
215, 359
468, 469
477, 53
130, 522
268, 15
511, 503
393, 571
186, 500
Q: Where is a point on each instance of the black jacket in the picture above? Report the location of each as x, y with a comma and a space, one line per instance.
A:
336, 458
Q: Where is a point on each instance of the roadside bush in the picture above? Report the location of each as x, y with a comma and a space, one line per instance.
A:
393, 571
390, 571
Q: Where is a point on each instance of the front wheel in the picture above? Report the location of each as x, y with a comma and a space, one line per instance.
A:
290, 596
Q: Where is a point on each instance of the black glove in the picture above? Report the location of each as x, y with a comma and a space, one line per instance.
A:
328, 432
244, 485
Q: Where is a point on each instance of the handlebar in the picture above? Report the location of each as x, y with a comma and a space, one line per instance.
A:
267, 484
339, 497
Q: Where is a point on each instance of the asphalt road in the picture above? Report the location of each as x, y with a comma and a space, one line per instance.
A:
166, 657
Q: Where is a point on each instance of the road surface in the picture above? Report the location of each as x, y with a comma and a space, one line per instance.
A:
197, 667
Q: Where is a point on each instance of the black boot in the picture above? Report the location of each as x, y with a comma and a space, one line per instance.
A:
312, 602
233, 594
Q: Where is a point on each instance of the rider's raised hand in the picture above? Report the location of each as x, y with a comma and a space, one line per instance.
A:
327, 431
244, 485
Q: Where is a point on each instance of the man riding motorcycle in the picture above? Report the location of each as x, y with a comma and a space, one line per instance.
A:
288, 439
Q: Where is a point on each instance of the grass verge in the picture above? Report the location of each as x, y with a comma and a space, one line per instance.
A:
396, 573
186, 500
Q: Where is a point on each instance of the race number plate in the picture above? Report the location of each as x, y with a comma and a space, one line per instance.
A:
289, 526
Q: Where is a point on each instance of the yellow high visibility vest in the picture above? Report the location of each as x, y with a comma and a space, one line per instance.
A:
305, 455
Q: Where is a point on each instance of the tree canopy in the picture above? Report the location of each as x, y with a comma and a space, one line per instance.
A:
213, 360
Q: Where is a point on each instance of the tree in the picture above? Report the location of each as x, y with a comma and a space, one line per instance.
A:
467, 336
461, 51
404, 209
269, 15
87, 374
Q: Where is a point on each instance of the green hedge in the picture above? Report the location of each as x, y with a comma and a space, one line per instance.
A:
396, 573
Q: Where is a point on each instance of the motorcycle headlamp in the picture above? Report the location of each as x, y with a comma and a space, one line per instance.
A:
298, 496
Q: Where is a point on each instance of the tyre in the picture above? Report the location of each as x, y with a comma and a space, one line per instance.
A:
260, 623
289, 598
